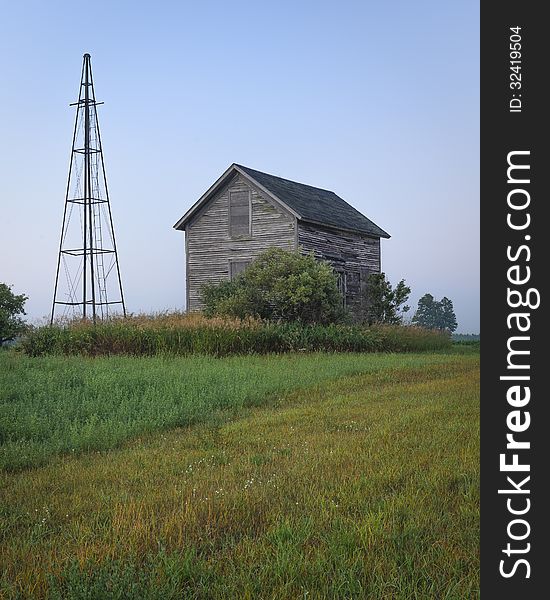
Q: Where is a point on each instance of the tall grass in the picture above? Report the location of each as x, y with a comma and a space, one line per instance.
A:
194, 334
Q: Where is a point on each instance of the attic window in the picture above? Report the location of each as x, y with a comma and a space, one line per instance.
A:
240, 206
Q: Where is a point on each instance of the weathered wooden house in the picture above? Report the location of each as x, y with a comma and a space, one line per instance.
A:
246, 211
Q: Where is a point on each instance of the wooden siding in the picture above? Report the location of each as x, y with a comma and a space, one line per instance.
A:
354, 254
210, 248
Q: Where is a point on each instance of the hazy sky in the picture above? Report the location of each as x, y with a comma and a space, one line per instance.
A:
377, 101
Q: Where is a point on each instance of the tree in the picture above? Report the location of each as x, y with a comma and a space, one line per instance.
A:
11, 305
279, 285
427, 312
385, 303
448, 317
435, 314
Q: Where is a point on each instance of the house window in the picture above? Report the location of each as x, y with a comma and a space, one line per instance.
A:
236, 267
342, 286
353, 288
240, 207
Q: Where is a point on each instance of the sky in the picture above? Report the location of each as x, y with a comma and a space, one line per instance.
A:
377, 101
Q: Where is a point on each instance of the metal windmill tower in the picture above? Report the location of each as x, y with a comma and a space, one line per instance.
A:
87, 281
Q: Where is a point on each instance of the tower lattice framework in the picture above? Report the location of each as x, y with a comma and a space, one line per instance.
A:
87, 282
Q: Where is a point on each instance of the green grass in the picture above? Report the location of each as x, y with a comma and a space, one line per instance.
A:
55, 405
329, 485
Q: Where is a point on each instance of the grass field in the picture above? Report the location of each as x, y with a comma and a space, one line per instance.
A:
55, 405
296, 476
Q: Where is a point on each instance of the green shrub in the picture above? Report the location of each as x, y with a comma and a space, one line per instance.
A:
386, 304
282, 286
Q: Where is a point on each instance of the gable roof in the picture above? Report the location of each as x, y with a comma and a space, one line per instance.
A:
307, 203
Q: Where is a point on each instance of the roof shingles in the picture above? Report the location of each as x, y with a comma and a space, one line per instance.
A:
315, 204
